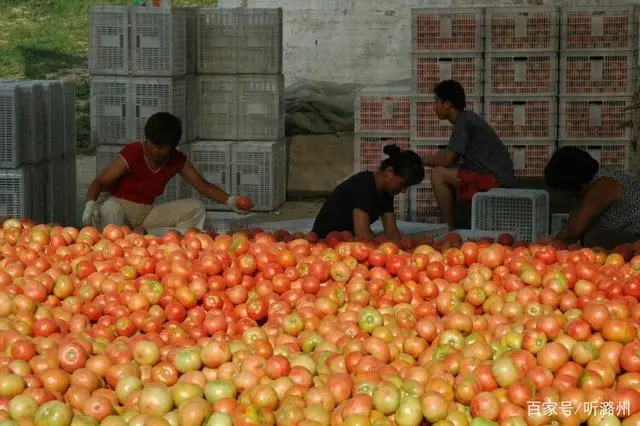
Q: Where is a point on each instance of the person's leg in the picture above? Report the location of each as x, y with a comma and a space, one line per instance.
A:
445, 182
188, 213
112, 213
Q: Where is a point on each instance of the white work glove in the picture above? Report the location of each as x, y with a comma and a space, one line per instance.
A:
91, 214
231, 203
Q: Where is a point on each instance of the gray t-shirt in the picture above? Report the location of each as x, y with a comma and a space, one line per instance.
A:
481, 149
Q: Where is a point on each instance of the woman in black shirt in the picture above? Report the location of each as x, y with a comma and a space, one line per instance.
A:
366, 196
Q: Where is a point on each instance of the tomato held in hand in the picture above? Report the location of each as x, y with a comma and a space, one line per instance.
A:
244, 203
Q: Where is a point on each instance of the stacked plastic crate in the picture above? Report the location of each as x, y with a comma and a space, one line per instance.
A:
240, 88
142, 60
446, 44
521, 83
597, 81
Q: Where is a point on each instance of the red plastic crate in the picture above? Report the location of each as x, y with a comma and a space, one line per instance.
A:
600, 28
425, 124
422, 203
447, 30
367, 150
522, 29
530, 159
605, 74
619, 155
383, 110
594, 118
525, 118
514, 74
430, 69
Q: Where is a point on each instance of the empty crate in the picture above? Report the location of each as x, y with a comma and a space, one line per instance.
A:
218, 106
71, 191
33, 119
430, 69
16, 192
530, 158
110, 110
190, 125
152, 95
55, 197
517, 29
217, 41
367, 150
525, 118
69, 118
447, 30
521, 74
109, 47
105, 155
258, 170
426, 125
259, 40
225, 222
53, 93
595, 118
261, 107
586, 74
594, 28
10, 127
213, 160
615, 154
383, 110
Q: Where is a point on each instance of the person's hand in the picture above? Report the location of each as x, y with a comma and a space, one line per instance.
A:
91, 214
140, 230
241, 205
545, 240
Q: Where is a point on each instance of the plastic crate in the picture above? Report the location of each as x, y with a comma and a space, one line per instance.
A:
16, 192
521, 29
367, 150
423, 207
53, 94
530, 158
401, 206
218, 107
426, 125
33, 121
109, 46
40, 187
384, 109
70, 147
546, 198
476, 235
213, 160
260, 40
70, 192
521, 212
177, 188
558, 221
159, 39
446, 30
226, 222
522, 118
517, 74
430, 69
10, 127
599, 28
191, 25
617, 154
55, 186
217, 41
259, 171
111, 115
152, 95
428, 148
611, 74
296, 225
261, 106
594, 118
105, 155
190, 126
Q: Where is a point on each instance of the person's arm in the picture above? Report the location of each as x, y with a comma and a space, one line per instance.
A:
361, 225
602, 193
391, 231
109, 175
457, 147
204, 187
446, 158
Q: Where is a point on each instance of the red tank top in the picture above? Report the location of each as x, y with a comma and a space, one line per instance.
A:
140, 184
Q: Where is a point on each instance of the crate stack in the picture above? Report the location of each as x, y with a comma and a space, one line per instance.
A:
240, 102
597, 81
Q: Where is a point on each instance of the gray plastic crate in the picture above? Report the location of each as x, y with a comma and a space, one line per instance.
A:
54, 135
443, 29
33, 121
522, 29
55, 201
109, 47
213, 160
225, 222
70, 147
152, 95
259, 170
218, 107
16, 192
177, 188
217, 41
260, 41
71, 192
105, 154
10, 126
111, 115
599, 28
159, 42
261, 107
191, 23
190, 126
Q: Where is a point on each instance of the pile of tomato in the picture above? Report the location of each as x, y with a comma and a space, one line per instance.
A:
117, 328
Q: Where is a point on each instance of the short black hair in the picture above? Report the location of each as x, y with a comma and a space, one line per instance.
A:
451, 91
163, 129
570, 168
406, 164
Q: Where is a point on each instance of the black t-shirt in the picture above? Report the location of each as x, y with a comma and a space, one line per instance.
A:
357, 192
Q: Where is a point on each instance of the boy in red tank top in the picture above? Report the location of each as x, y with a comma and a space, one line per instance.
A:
139, 174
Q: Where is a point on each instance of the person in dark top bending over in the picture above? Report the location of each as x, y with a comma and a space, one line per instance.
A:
485, 161
366, 196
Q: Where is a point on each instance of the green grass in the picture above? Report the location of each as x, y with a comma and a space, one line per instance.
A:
47, 39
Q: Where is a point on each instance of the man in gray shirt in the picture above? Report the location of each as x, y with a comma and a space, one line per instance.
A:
475, 159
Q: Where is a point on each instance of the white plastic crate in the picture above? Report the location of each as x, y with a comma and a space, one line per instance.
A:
383, 109
447, 30
476, 235
190, 125
522, 212
71, 191
609, 74
423, 207
521, 29
10, 127
159, 42
111, 115
213, 160
109, 46
558, 221
260, 40
217, 41
425, 124
218, 107
530, 158
521, 74
33, 121
105, 155
53, 93
70, 147
55, 187
40, 188
522, 118
430, 69
546, 198
177, 188
367, 150
152, 95
594, 118
259, 171
617, 154
292, 226
16, 192
427, 148
225, 222
598, 28
261, 106
191, 24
